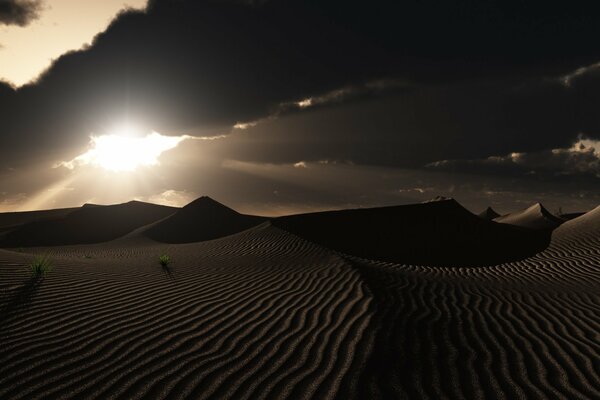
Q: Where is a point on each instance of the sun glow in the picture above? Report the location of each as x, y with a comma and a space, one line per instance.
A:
119, 153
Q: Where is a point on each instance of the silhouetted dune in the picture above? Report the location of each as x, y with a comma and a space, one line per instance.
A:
89, 224
92, 205
534, 217
489, 214
10, 220
266, 314
202, 219
441, 232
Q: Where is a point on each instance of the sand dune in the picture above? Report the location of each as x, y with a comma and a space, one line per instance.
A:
202, 219
266, 314
251, 315
489, 214
534, 217
517, 330
570, 216
11, 220
440, 232
88, 224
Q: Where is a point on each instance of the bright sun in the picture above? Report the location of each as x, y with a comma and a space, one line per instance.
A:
125, 153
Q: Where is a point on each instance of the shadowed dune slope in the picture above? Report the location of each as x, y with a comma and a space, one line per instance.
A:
433, 233
203, 219
489, 214
534, 217
88, 224
518, 330
264, 314
11, 220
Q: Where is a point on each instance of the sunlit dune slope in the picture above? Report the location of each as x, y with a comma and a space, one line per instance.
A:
534, 217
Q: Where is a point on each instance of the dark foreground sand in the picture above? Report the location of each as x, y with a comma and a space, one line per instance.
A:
266, 314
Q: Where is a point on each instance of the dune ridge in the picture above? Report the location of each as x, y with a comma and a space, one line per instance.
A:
11, 220
438, 232
533, 217
489, 214
526, 328
202, 219
89, 224
266, 314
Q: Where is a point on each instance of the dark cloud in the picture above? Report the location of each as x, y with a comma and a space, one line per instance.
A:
580, 161
426, 123
19, 12
478, 78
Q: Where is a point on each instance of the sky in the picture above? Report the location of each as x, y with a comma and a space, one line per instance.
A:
285, 106
30, 43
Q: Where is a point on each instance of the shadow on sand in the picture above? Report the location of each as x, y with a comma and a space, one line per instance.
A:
418, 325
168, 271
19, 299
440, 234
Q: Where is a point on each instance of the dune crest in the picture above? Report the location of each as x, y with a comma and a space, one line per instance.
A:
533, 217
203, 219
489, 214
85, 225
441, 232
267, 314
11, 220
586, 225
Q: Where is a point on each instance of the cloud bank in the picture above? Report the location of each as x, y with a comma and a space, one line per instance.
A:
379, 83
582, 159
19, 12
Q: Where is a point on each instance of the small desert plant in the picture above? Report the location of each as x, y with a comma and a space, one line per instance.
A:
40, 266
164, 260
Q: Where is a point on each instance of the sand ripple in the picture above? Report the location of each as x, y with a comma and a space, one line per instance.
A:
264, 314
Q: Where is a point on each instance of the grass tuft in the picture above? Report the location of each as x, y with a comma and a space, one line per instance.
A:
40, 266
164, 260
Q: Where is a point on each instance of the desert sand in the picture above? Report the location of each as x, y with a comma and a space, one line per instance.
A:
295, 307
534, 217
489, 214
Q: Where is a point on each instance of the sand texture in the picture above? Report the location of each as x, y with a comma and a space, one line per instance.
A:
274, 312
534, 217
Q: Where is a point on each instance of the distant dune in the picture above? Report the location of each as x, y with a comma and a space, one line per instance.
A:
202, 219
88, 224
534, 217
489, 214
440, 232
11, 220
266, 314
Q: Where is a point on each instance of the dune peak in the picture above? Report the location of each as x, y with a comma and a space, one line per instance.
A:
489, 214
202, 219
535, 216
